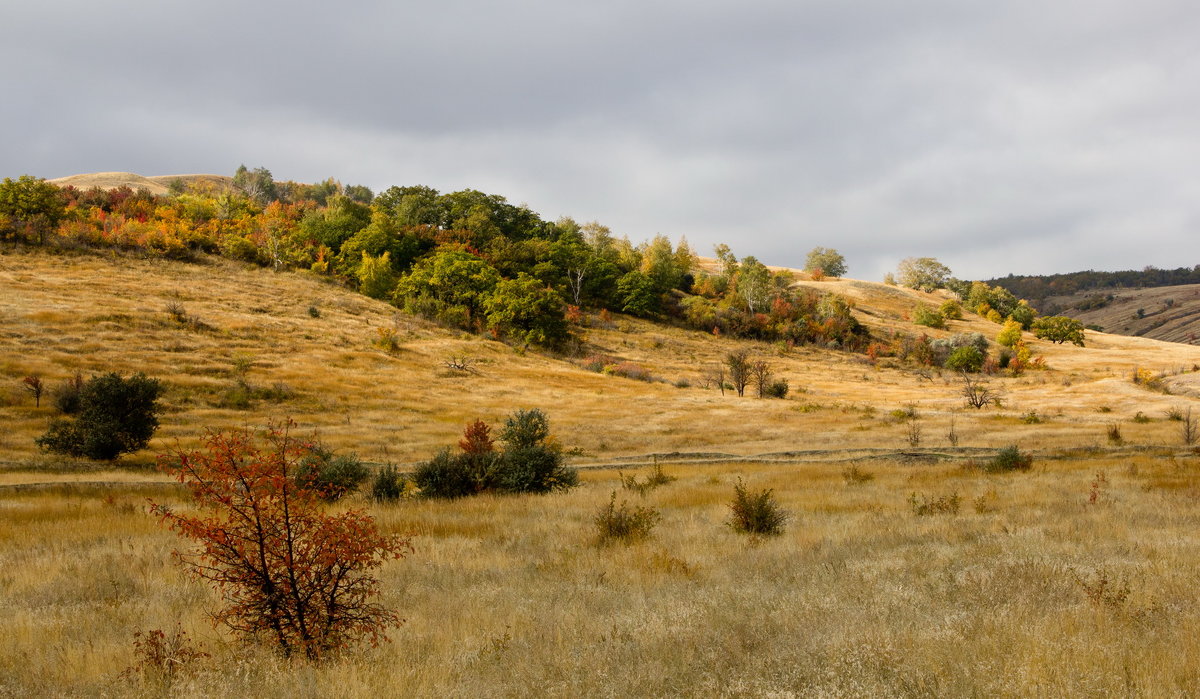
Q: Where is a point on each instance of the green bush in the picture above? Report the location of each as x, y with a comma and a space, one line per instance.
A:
332, 475
115, 416
756, 513
1009, 458
965, 359
928, 316
534, 469
624, 523
388, 485
776, 389
446, 475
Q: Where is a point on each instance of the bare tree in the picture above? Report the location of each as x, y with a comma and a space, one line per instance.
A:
761, 373
717, 375
977, 392
1188, 428
34, 384
739, 370
461, 363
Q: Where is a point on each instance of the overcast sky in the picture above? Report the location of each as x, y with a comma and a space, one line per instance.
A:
1011, 136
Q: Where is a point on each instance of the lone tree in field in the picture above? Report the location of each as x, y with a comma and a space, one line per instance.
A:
826, 260
739, 370
113, 416
1059, 329
288, 571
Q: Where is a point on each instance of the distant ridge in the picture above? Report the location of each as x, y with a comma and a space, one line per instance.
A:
155, 185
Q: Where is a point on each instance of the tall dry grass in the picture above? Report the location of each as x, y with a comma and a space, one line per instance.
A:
509, 596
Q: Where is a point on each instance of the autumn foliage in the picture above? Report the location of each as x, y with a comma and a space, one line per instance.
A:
288, 572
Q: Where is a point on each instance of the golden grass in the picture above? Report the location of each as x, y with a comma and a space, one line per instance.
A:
507, 596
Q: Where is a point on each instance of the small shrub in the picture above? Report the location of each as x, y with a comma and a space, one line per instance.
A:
1031, 418
777, 389
951, 310
388, 485
943, 504
1175, 414
1009, 458
1104, 409
1141, 418
756, 513
331, 475
927, 316
654, 479
314, 312
625, 523
1114, 434
160, 659
1104, 589
386, 340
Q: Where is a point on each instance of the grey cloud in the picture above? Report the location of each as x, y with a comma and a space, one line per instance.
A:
999, 137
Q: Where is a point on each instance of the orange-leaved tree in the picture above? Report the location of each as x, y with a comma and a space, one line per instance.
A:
287, 571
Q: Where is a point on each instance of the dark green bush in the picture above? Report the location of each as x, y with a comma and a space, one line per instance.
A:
1009, 458
388, 485
534, 469
115, 416
756, 513
446, 475
332, 475
966, 358
525, 428
624, 523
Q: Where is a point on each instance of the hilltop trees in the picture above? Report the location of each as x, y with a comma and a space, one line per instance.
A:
30, 208
827, 261
923, 273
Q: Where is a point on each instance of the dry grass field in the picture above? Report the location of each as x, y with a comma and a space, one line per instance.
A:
1051, 582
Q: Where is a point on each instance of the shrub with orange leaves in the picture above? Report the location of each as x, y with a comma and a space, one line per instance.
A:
288, 572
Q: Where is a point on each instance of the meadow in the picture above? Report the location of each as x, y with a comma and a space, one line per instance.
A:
1074, 578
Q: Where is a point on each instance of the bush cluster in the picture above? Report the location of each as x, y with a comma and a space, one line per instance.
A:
530, 462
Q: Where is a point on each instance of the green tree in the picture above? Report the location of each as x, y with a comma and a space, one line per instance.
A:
1059, 329
753, 283
526, 310
115, 416
1024, 314
923, 273
30, 208
257, 184
827, 260
375, 276
449, 278
637, 295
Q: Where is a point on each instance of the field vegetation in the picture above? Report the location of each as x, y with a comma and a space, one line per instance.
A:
845, 520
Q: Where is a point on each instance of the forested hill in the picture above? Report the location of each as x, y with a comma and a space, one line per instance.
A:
1038, 288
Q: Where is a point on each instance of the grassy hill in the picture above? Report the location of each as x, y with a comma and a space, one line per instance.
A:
1170, 313
157, 185
1076, 578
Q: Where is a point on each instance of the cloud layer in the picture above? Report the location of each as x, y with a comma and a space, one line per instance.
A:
999, 137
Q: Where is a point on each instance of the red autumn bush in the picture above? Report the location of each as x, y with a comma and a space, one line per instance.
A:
287, 571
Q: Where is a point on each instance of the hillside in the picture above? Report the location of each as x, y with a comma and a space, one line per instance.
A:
157, 185
902, 568
102, 313
1170, 313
